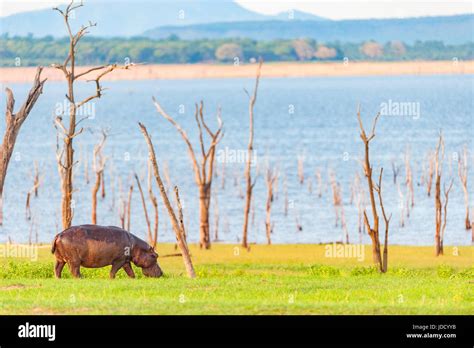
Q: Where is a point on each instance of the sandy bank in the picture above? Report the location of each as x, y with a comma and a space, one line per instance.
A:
286, 69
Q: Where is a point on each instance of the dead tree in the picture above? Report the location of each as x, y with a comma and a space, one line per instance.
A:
102, 185
463, 171
270, 181
320, 183
395, 171
98, 165
338, 206
178, 226
65, 155
438, 205
34, 190
14, 121
203, 171
154, 202
122, 208
373, 230
409, 183
36, 179
429, 177
445, 212
301, 169
248, 171
336, 196
360, 203
401, 205
151, 241
378, 188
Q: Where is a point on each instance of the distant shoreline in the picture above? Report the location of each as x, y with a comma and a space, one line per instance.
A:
280, 69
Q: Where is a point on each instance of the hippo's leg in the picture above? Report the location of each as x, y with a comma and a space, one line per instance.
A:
58, 268
115, 267
75, 269
128, 268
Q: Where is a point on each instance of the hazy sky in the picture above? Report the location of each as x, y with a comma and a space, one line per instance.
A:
334, 9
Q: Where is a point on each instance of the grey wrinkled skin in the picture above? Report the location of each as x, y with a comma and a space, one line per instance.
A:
94, 246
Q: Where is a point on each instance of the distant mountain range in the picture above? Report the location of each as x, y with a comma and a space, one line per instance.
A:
449, 29
226, 19
132, 18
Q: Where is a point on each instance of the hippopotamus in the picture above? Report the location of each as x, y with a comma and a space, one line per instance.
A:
94, 246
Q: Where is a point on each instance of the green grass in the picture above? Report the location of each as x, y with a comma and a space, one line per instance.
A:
277, 279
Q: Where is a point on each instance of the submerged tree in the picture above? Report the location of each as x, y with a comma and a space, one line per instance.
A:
98, 165
374, 233
463, 174
203, 171
248, 172
439, 157
14, 121
65, 153
272, 175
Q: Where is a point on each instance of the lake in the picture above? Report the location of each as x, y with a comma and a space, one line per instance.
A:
313, 119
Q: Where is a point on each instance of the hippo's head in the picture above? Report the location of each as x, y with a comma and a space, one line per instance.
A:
145, 257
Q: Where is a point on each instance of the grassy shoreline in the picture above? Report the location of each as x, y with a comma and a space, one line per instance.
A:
276, 279
271, 69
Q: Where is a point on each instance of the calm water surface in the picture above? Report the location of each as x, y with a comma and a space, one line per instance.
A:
309, 118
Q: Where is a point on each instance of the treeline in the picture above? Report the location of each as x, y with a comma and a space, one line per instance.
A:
28, 51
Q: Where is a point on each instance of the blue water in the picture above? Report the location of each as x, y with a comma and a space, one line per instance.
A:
312, 118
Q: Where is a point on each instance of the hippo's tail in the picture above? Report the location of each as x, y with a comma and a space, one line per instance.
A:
53, 247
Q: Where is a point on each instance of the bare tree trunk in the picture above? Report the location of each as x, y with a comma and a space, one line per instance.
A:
102, 185
463, 174
177, 226
95, 189
204, 201
154, 202
438, 205
65, 155
98, 163
14, 122
36, 180
248, 173
271, 178
445, 212
429, 180
301, 169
